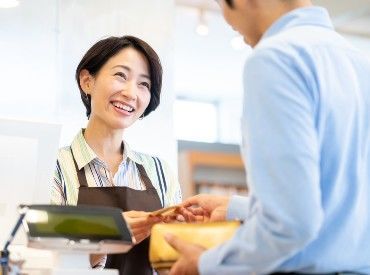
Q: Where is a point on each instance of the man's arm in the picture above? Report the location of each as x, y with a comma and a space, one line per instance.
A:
281, 151
240, 208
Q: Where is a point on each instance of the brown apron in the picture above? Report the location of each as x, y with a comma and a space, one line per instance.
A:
135, 261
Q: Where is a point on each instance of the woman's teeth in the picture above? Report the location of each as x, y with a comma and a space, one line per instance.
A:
123, 106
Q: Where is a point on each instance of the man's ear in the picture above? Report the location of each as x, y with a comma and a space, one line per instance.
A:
86, 81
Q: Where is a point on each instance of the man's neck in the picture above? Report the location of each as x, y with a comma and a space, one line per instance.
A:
275, 10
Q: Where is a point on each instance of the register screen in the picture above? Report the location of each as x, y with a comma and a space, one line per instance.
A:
92, 226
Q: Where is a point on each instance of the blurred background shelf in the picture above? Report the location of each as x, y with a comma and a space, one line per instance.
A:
212, 168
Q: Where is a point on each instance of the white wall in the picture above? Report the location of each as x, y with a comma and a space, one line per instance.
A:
41, 43
207, 68
229, 120
28, 60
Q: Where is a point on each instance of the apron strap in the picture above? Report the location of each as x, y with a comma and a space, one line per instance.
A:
80, 173
161, 178
161, 175
144, 177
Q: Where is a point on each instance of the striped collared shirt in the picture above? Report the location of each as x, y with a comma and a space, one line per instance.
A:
65, 185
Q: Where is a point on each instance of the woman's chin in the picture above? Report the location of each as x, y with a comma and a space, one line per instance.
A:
121, 125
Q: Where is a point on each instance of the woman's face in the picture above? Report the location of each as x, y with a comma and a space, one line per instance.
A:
120, 91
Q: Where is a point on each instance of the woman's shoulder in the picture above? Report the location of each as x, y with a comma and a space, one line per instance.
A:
64, 150
145, 158
64, 154
149, 160
136, 156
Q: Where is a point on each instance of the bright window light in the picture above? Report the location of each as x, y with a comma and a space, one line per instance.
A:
195, 121
237, 43
202, 30
6, 4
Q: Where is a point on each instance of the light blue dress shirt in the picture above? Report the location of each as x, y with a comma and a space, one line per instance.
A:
306, 144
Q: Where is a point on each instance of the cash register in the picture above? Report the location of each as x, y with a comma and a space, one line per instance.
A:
75, 232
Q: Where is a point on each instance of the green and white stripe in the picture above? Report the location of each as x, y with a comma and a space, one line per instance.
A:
65, 184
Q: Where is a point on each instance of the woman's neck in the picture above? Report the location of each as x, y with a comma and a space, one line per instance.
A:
105, 141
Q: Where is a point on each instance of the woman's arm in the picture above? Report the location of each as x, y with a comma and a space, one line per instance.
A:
58, 195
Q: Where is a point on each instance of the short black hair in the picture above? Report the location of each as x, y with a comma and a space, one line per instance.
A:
230, 3
103, 50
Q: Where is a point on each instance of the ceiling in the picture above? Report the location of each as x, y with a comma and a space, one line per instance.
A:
349, 16
206, 4
353, 15
208, 68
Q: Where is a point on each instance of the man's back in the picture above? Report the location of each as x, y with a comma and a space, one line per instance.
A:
307, 132
306, 145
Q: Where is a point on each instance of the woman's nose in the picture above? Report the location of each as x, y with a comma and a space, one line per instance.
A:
130, 91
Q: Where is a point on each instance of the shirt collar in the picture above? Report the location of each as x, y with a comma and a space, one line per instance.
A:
310, 16
82, 152
134, 156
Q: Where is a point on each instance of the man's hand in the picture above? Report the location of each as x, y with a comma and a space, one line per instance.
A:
205, 208
169, 214
187, 264
140, 223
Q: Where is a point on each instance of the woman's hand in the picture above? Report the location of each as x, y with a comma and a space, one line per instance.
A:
98, 260
140, 223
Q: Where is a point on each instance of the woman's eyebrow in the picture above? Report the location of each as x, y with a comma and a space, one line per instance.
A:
129, 69
122, 66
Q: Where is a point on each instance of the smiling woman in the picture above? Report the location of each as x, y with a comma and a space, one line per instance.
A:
120, 80
120, 91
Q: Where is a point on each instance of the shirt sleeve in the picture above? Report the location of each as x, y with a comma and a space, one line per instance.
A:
173, 193
280, 146
57, 195
240, 208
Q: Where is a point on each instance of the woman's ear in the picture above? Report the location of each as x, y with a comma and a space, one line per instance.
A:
86, 81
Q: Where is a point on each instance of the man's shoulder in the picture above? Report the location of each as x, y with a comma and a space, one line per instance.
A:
300, 41
291, 49
281, 45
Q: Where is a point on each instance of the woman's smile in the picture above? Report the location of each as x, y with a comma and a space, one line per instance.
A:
123, 108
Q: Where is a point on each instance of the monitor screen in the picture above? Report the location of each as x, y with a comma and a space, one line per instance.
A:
28, 152
77, 222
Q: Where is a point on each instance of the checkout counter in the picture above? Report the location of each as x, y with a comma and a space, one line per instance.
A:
65, 236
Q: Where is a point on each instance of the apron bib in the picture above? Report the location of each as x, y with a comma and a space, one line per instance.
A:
135, 261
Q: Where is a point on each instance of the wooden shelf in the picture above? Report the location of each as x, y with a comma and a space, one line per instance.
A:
215, 159
190, 161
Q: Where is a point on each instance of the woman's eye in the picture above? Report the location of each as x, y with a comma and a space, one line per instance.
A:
145, 84
120, 74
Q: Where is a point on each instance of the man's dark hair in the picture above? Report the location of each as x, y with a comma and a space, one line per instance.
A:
230, 3
103, 50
